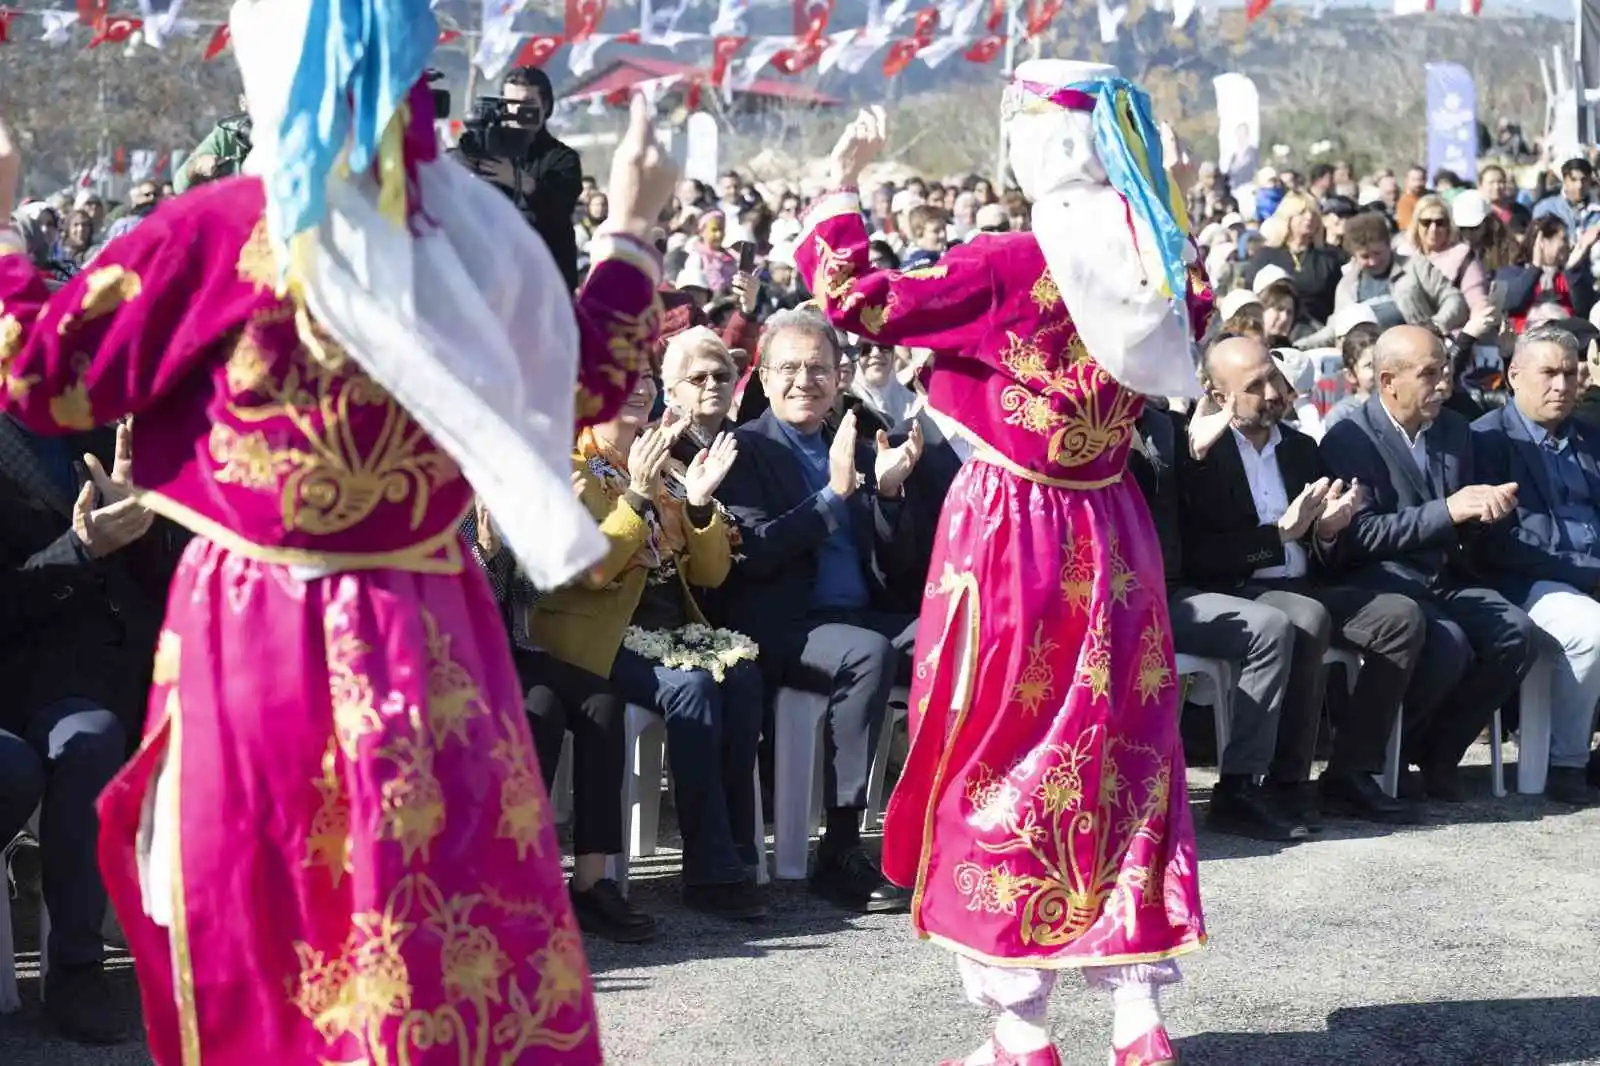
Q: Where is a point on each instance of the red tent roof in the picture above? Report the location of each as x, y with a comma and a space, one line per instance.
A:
627, 71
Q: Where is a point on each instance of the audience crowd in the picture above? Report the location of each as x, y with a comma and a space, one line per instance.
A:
1397, 456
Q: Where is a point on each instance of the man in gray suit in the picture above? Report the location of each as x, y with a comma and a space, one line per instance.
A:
1416, 536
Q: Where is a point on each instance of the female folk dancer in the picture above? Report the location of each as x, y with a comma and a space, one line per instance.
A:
1042, 819
334, 845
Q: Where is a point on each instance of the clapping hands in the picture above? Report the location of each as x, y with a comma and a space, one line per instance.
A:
705, 474
1339, 508
894, 465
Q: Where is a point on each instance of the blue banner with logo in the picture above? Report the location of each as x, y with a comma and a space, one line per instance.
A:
1452, 121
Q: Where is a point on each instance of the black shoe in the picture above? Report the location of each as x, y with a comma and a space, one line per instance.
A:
604, 912
1594, 768
1570, 785
1443, 784
851, 879
1298, 802
741, 901
79, 1004
1243, 808
1358, 796
24, 867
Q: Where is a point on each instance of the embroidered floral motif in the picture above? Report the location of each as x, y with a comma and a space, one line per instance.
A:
412, 800
1067, 398
1080, 846
453, 697
1044, 292
927, 273
328, 840
835, 276
1123, 579
168, 653
258, 264
355, 708
248, 367
1037, 682
247, 460
105, 290
1077, 575
1094, 672
522, 796
10, 339
70, 408
1155, 669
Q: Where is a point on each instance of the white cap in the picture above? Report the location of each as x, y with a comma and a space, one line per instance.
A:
905, 200
1349, 317
1236, 301
1267, 275
785, 231
782, 254
692, 276
1469, 209
1297, 367
1232, 219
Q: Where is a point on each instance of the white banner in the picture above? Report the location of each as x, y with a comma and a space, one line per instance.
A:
1238, 128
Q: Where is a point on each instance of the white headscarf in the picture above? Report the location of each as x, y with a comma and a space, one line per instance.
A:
1106, 267
467, 323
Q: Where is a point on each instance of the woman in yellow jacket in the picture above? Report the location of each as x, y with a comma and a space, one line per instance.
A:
634, 620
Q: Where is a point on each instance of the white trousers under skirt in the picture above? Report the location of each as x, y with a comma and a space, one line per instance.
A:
1026, 993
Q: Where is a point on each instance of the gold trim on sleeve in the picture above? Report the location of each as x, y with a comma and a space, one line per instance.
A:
833, 205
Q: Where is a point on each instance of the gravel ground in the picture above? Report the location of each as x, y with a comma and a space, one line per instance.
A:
1471, 941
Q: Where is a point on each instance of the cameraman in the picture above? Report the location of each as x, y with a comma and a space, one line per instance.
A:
220, 155
546, 182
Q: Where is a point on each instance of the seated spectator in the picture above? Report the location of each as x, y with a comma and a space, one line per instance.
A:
1281, 316
881, 392
928, 229
1294, 244
1427, 507
1397, 289
820, 521
991, 218
634, 621
1355, 351
84, 576
561, 698
1550, 269
1500, 195
698, 376
883, 255
1433, 233
1336, 210
1547, 555
1258, 510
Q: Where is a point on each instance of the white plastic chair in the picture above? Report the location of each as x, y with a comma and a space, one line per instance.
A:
797, 753
1211, 684
1533, 731
877, 776
10, 995
646, 738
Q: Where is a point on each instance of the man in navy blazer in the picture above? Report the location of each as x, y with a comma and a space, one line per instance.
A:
820, 520
1416, 535
1547, 555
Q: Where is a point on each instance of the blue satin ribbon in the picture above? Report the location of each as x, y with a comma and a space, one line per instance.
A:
360, 61
1129, 146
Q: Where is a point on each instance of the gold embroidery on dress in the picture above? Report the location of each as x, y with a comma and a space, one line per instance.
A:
1095, 671
1077, 575
105, 290
355, 706
835, 277
1054, 825
1090, 425
522, 803
412, 800
10, 339
628, 342
70, 408
258, 264
1155, 671
353, 995
1044, 292
872, 319
1123, 579
1037, 682
165, 669
328, 841
453, 697
927, 273
249, 366
333, 482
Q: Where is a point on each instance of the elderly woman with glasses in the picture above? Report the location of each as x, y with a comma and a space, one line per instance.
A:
1433, 233
698, 373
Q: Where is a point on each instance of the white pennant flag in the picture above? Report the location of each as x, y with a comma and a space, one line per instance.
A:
659, 24
761, 53
1182, 12
58, 26
943, 48
581, 55
961, 17
159, 19
500, 39
732, 18
141, 165
850, 50
1412, 7
1111, 19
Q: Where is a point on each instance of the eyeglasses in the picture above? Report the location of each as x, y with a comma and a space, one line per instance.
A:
788, 372
706, 378
1428, 223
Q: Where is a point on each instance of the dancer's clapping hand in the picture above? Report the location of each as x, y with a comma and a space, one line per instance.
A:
1339, 508
894, 465
643, 177
858, 146
705, 474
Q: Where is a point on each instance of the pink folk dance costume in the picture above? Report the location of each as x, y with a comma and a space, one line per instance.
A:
334, 845
1042, 818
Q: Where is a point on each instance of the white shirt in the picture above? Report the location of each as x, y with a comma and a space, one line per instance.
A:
1419, 450
1271, 498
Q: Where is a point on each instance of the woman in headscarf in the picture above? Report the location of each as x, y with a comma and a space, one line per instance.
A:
333, 844
77, 239
878, 388
39, 226
1042, 816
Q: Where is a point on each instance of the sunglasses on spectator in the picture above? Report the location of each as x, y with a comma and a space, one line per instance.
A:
707, 378
1430, 222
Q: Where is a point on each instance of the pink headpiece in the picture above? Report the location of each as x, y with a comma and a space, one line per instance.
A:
1067, 99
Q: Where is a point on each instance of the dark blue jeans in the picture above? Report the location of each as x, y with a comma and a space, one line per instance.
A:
63, 755
713, 733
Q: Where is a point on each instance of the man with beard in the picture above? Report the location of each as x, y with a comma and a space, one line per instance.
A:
1259, 512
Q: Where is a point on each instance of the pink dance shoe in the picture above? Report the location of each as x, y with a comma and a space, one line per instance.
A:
1048, 1056
1154, 1048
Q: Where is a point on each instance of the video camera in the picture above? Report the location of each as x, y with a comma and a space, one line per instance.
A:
487, 133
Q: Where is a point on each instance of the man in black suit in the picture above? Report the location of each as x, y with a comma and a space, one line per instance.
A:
1258, 512
819, 521
1415, 535
1546, 557
78, 631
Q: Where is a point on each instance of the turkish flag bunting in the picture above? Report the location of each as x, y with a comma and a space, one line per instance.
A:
631, 37
800, 58
619, 97
92, 11
1041, 14
723, 49
449, 36
1253, 10
218, 44
583, 18
119, 161
537, 50
6, 15
691, 99
996, 22
985, 50
114, 29
811, 17
901, 53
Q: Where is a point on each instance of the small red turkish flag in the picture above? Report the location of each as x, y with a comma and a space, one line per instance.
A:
901, 53
723, 49
6, 15
537, 50
985, 50
218, 44
449, 36
691, 99
114, 29
1255, 9
1040, 16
